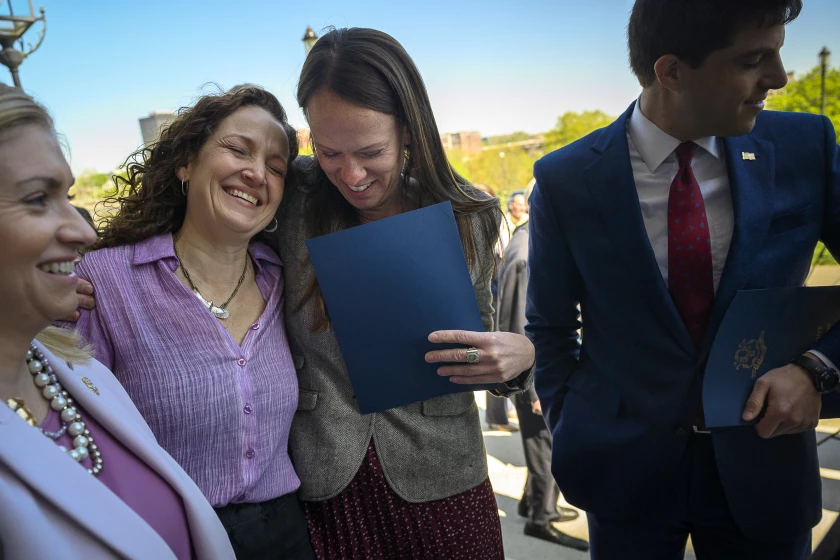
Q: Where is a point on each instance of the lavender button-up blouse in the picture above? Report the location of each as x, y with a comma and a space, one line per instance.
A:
222, 411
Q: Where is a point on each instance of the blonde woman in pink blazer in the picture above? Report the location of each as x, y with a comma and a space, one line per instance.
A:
81, 474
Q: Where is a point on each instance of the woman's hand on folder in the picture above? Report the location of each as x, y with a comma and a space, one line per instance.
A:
501, 356
793, 404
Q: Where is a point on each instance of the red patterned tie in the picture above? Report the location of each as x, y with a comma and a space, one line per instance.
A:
690, 278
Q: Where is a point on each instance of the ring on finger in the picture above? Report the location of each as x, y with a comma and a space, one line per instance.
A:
472, 355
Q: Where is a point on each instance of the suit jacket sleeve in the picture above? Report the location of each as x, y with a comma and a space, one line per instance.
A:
518, 320
513, 283
554, 292
830, 343
507, 290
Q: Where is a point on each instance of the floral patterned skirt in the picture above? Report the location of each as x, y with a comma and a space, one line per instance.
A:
369, 521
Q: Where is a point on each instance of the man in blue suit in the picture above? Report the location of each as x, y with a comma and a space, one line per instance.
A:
641, 233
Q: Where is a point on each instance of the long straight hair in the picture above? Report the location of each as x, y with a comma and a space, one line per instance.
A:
371, 69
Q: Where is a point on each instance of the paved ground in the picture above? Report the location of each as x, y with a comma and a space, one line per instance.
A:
824, 276
507, 473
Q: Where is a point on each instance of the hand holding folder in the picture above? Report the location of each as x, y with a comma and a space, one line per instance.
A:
783, 401
763, 330
388, 285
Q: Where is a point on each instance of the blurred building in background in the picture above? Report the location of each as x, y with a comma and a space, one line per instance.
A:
150, 126
468, 142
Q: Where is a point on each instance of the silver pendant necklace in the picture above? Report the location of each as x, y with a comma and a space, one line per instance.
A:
218, 311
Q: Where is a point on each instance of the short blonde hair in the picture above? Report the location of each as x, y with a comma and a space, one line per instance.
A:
66, 344
17, 108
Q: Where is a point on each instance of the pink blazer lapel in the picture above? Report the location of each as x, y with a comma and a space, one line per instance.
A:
38, 462
114, 410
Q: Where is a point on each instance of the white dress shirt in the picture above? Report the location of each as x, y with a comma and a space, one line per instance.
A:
654, 167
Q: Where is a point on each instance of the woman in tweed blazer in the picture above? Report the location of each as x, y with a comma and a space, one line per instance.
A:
410, 482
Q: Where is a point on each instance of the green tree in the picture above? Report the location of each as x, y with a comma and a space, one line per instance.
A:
572, 126
803, 95
90, 187
504, 174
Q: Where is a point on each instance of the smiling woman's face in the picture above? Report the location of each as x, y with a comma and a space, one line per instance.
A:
41, 232
237, 179
361, 151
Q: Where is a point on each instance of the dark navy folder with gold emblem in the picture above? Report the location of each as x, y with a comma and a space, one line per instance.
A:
388, 285
762, 330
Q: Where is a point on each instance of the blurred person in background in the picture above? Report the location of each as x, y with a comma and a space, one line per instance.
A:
539, 499
497, 409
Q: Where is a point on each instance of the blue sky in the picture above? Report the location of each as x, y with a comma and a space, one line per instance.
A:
494, 66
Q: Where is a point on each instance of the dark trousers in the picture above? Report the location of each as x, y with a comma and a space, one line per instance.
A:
497, 409
696, 507
275, 529
541, 492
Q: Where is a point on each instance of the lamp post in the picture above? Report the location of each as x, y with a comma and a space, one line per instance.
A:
824, 55
504, 170
9, 34
309, 39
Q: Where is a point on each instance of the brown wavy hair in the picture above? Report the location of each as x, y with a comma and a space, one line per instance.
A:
148, 195
371, 69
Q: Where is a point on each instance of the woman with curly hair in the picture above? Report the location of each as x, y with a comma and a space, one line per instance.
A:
189, 310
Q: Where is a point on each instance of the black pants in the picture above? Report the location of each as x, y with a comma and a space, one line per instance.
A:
541, 492
697, 507
275, 529
497, 412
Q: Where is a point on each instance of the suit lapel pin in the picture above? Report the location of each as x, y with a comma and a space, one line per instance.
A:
89, 384
747, 156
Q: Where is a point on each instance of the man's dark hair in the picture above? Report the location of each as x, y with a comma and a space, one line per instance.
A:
692, 29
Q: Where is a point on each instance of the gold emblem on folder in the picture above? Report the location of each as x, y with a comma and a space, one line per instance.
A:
750, 354
89, 384
821, 331
747, 156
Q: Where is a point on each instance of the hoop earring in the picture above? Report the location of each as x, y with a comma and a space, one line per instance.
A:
184, 187
273, 228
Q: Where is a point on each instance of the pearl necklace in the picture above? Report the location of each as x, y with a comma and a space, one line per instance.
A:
71, 421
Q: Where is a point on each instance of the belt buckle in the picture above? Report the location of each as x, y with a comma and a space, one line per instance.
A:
700, 430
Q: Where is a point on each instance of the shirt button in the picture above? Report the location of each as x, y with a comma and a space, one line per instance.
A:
248, 409
255, 326
241, 361
250, 453
682, 432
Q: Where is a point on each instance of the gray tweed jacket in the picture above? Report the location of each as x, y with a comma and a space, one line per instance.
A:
429, 450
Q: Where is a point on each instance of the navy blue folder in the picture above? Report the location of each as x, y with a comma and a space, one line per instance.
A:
762, 330
387, 286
